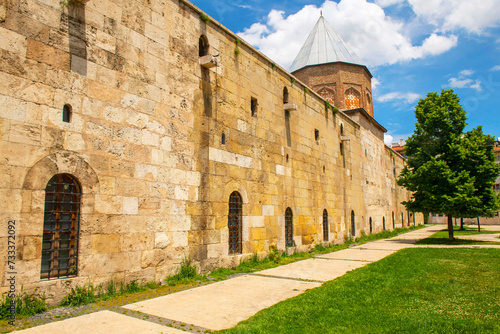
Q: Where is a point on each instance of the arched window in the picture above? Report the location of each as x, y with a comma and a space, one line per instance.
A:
285, 95
352, 97
325, 225
368, 102
234, 223
60, 227
203, 46
393, 220
288, 227
66, 113
328, 95
371, 225
383, 223
353, 224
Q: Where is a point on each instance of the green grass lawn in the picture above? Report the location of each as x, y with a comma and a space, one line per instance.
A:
411, 291
441, 237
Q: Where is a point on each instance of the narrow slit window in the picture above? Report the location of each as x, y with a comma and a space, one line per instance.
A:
223, 139
66, 113
325, 225
285, 95
287, 128
288, 227
203, 46
353, 224
316, 135
253, 106
371, 225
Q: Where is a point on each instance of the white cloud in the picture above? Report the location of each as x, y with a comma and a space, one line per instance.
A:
387, 3
495, 68
375, 37
388, 139
448, 15
375, 83
464, 82
466, 73
408, 98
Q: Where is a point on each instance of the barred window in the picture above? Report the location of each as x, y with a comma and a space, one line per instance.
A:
288, 227
60, 227
234, 223
325, 225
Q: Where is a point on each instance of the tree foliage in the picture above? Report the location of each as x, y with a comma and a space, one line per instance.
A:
448, 171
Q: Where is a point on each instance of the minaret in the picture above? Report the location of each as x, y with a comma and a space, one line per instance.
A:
330, 67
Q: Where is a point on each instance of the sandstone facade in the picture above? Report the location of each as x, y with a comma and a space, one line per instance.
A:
158, 143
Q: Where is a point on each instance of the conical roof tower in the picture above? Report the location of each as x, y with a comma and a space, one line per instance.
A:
324, 46
328, 65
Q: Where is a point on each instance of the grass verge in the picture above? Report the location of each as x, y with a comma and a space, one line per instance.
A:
277, 258
411, 291
441, 237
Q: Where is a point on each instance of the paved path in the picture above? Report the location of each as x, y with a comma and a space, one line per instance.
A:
224, 304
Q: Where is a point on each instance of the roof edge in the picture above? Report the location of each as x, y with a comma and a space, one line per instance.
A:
336, 62
367, 116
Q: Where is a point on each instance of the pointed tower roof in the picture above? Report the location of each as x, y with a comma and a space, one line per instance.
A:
323, 46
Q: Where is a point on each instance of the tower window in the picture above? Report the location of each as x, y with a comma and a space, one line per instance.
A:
223, 139
66, 114
316, 135
328, 95
352, 98
253, 106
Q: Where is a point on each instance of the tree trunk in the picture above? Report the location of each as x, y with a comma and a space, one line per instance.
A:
450, 228
461, 224
478, 225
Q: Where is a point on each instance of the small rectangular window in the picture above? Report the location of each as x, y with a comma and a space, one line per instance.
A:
316, 135
253, 106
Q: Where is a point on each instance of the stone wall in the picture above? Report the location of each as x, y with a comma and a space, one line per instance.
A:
144, 142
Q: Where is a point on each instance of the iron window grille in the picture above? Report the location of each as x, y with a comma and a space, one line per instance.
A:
288, 227
61, 227
235, 223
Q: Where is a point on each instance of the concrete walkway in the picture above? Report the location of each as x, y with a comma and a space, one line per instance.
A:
224, 304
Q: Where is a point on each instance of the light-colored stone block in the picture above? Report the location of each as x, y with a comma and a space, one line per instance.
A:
130, 205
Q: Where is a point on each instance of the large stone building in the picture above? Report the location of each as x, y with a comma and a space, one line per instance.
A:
135, 134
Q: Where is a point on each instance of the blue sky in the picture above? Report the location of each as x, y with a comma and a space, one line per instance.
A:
410, 46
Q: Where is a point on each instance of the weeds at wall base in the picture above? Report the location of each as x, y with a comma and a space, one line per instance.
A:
27, 304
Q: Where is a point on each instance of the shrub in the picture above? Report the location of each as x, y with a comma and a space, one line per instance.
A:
204, 17
187, 274
80, 295
27, 304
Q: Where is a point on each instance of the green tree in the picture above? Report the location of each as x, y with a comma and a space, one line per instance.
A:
446, 171
480, 162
